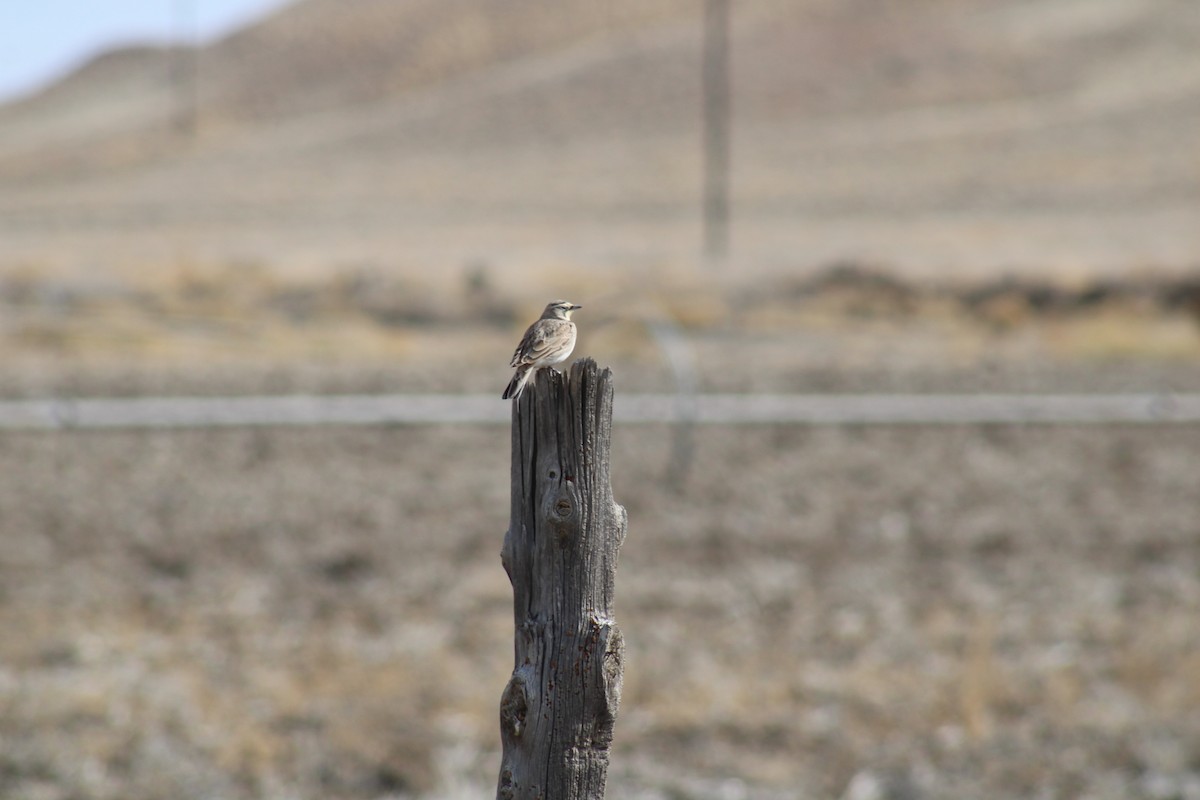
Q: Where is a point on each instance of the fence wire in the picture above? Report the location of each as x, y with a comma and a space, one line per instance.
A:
709, 409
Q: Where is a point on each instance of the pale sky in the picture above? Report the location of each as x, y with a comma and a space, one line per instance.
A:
41, 40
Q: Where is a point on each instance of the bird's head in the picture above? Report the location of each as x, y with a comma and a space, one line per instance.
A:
560, 309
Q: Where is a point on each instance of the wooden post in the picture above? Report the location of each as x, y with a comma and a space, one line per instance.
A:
560, 552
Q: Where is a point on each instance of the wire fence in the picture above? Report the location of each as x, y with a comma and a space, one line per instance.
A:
709, 409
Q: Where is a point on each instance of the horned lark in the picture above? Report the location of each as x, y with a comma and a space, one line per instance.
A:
548, 341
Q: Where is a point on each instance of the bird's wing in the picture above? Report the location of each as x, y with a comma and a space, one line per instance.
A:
539, 341
534, 338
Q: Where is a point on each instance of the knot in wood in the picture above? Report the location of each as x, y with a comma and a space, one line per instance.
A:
560, 508
622, 517
613, 669
514, 707
507, 790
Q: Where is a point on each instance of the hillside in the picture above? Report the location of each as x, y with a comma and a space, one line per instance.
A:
934, 136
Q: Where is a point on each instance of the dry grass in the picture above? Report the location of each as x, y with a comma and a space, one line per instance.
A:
321, 613
849, 612
248, 314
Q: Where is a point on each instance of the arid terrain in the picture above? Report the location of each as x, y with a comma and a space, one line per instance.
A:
915, 612
950, 138
934, 196
812, 612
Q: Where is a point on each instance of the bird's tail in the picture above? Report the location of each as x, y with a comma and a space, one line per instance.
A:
517, 384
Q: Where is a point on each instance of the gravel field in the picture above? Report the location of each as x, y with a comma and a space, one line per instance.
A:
858, 612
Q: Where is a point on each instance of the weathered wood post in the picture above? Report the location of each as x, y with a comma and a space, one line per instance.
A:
560, 552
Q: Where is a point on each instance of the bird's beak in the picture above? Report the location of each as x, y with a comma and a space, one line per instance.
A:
576, 308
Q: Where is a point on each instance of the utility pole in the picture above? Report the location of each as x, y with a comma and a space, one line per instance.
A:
185, 66
717, 125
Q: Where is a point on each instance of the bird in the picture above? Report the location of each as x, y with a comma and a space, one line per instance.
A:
547, 341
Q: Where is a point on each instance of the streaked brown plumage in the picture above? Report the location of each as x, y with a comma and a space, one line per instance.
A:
547, 341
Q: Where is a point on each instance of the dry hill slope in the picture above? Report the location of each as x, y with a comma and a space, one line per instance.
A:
313, 56
931, 135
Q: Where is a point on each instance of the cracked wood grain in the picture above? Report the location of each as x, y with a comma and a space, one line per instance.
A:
560, 552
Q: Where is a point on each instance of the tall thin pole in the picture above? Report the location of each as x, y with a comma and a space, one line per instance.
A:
717, 119
184, 67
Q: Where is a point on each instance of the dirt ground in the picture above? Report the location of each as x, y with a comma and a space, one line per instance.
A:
955, 196
858, 612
